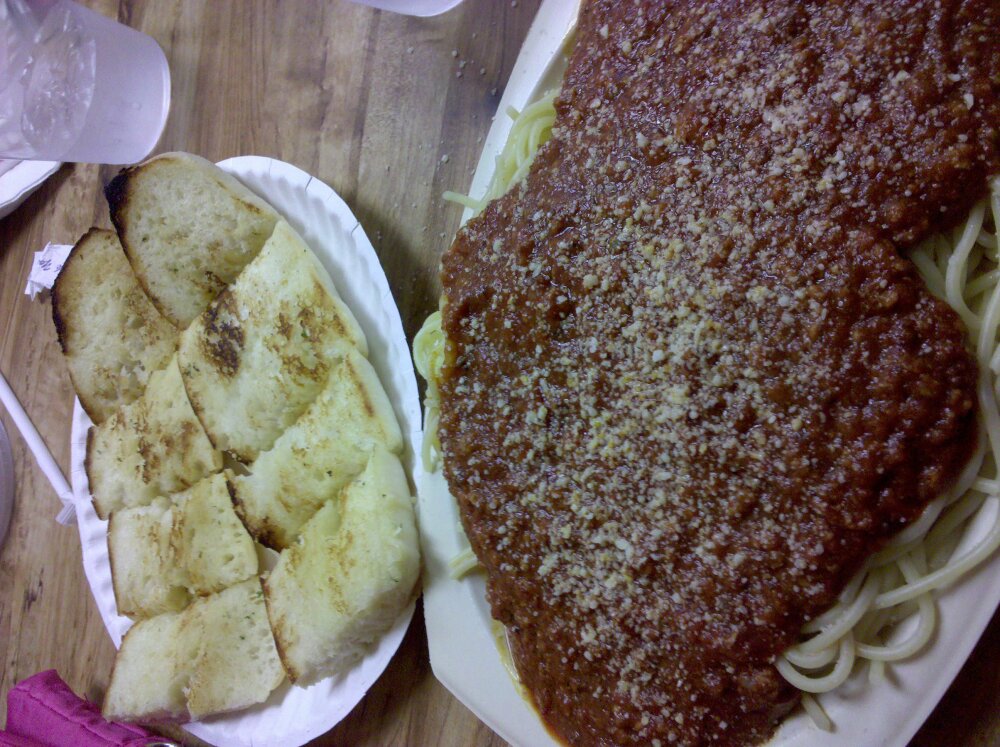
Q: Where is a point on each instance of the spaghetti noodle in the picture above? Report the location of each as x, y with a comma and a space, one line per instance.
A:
898, 583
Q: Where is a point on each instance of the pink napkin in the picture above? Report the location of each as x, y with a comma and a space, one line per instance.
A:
43, 712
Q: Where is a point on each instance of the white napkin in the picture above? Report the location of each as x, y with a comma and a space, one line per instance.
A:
45, 268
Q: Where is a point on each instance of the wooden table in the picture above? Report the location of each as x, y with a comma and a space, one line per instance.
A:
388, 110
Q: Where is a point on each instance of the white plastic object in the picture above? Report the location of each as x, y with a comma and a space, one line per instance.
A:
40, 450
20, 180
411, 7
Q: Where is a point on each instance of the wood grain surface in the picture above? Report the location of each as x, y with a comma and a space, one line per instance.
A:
388, 110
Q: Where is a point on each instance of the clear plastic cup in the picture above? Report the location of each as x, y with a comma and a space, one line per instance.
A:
76, 86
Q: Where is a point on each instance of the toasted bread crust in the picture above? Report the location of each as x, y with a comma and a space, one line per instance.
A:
117, 194
260, 530
87, 466
61, 324
277, 626
111, 566
58, 302
109, 331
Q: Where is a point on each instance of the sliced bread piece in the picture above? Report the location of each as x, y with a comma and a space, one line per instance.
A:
112, 336
256, 358
211, 543
216, 656
188, 229
149, 674
146, 577
345, 582
235, 662
163, 553
317, 456
152, 447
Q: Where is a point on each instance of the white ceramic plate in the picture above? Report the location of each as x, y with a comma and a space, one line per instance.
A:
17, 183
458, 617
292, 715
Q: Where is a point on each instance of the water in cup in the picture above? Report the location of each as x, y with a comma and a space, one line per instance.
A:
76, 86
47, 78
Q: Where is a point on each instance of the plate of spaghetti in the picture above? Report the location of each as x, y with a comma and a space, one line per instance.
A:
712, 390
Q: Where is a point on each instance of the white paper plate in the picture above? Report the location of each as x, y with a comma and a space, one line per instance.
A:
458, 617
21, 180
292, 715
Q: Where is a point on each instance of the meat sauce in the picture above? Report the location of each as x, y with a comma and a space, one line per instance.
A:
691, 382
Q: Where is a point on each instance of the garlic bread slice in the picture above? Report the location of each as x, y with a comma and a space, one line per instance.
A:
192, 544
345, 581
188, 229
152, 447
216, 656
111, 334
324, 450
262, 351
